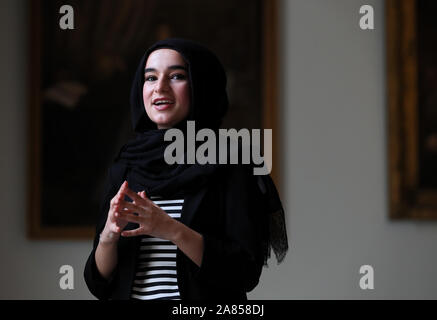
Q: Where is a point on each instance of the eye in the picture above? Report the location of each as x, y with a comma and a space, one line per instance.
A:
178, 76
149, 78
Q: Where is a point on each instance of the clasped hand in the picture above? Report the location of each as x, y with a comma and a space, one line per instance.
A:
152, 220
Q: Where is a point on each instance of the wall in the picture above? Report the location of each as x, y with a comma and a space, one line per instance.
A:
333, 153
28, 269
334, 164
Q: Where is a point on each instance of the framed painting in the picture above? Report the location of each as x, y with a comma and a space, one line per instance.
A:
412, 108
79, 85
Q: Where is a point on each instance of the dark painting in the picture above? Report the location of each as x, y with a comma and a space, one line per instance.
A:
81, 82
412, 108
427, 93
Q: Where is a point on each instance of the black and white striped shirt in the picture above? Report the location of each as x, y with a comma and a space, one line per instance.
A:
156, 275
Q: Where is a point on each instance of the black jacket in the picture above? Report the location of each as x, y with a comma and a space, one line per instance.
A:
230, 215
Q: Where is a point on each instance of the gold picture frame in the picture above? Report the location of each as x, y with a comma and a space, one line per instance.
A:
412, 191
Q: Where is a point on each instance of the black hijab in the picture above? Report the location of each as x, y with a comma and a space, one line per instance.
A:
144, 156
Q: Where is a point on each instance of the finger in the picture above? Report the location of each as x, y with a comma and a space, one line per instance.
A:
116, 199
122, 191
136, 198
113, 200
131, 233
122, 210
119, 201
130, 217
134, 207
142, 194
119, 221
122, 187
115, 218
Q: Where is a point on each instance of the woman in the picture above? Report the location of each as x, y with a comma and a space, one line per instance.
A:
181, 231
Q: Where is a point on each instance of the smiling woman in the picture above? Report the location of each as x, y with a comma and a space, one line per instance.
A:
181, 231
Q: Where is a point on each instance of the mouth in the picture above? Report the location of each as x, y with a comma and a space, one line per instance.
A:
161, 104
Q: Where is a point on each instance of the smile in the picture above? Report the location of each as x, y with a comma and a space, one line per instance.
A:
162, 104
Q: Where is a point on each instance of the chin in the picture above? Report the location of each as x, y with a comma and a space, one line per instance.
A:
164, 124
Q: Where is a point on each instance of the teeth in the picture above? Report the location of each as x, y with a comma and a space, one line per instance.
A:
162, 102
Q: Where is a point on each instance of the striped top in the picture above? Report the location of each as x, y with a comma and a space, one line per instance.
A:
156, 275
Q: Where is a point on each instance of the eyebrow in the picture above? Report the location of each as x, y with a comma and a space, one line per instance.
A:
174, 67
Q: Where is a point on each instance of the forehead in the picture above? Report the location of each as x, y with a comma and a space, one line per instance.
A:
162, 58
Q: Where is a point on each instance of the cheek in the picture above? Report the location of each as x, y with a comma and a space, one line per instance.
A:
184, 96
147, 99
147, 94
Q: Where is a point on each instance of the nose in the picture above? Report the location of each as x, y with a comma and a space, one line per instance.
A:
161, 85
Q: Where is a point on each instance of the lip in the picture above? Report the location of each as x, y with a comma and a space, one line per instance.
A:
162, 98
162, 107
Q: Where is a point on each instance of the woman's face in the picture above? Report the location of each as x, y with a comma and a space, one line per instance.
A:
166, 90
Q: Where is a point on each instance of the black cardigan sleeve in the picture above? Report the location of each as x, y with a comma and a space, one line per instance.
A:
234, 260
